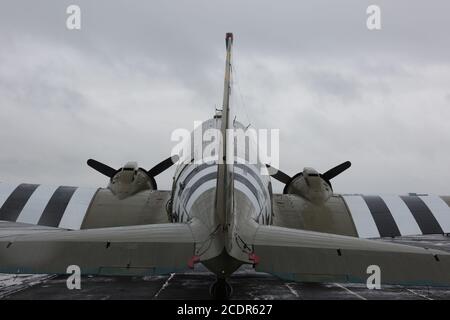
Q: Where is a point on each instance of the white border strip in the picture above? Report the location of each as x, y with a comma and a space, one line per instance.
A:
364, 223
210, 184
35, 206
403, 217
5, 191
76, 209
249, 194
440, 210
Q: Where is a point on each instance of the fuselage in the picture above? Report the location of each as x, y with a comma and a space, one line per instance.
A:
195, 193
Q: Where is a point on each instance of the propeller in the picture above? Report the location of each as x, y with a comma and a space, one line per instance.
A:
327, 176
152, 173
102, 168
333, 172
278, 174
162, 166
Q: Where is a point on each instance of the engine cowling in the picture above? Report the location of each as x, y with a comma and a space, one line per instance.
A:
130, 180
310, 185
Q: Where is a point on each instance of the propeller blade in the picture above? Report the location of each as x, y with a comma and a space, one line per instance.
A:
102, 168
333, 172
162, 166
278, 174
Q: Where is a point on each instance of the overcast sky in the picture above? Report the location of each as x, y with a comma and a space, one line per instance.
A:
137, 70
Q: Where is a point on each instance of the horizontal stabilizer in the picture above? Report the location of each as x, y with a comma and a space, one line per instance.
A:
299, 255
136, 250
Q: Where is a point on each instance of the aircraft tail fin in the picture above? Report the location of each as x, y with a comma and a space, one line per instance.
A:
224, 189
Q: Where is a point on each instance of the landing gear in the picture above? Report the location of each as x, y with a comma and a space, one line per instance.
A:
221, 289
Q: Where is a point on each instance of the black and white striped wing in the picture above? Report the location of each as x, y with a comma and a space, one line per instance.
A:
52, 206
392, 216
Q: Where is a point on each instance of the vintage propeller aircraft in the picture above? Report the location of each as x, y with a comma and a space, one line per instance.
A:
222, 214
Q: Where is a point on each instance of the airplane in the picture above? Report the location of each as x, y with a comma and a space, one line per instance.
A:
221, 214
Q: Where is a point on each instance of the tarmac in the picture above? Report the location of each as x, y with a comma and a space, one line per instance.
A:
247, 285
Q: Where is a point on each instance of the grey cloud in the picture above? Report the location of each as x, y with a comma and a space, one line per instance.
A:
137, 70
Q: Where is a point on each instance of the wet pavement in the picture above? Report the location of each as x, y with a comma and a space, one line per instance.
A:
247, 284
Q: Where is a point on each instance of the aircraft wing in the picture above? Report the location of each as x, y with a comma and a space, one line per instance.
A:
132, 250
300, 255
366, 216
77, 208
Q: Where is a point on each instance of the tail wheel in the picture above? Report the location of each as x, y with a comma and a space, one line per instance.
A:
221, 290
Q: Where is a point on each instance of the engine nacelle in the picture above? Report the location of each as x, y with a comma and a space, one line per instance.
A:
310, 185
130, 180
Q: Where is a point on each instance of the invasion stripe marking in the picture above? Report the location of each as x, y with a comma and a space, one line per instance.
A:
382, 216
246, 169
363, 219
76, 209
36, 204
211, 184
5, 191
55, 208
249, 186
402, 215
213, 175
16, 201
440, 210
424, 217
196, 184
255, 180
193, 172
250, 196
